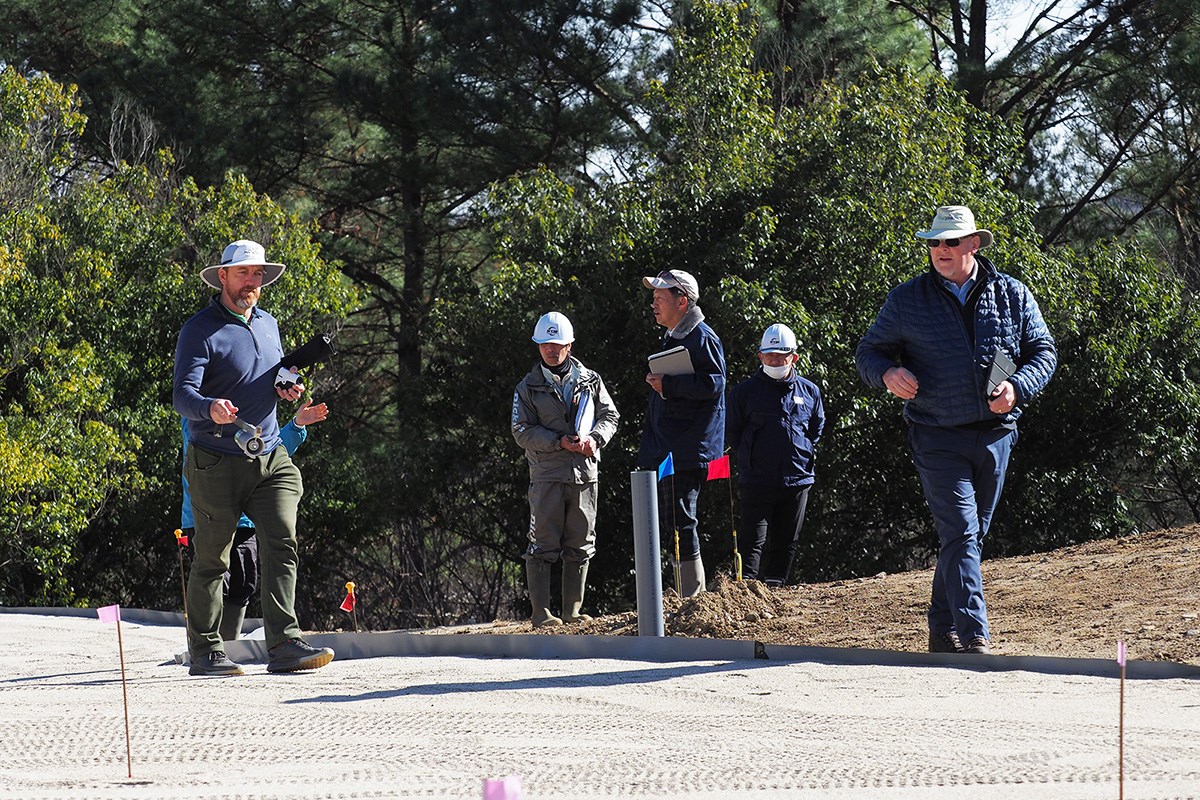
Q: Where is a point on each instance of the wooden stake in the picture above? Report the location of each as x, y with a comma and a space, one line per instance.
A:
125, 696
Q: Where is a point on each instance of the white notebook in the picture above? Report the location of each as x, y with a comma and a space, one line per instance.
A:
675, 361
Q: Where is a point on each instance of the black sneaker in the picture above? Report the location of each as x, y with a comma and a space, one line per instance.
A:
978, 645
296, 655
215, 664
947, 642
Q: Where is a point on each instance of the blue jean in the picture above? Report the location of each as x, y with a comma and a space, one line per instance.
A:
962, 473
677, 496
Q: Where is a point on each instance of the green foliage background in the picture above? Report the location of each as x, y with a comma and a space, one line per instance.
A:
793, 206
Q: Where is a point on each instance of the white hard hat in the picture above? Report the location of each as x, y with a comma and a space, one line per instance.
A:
553, 328
778, 339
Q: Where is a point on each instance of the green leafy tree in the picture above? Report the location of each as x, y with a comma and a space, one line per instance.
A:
816, 239
1104, 94
804, 45
99, 273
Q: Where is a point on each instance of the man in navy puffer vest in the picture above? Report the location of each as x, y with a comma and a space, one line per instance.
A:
934, 344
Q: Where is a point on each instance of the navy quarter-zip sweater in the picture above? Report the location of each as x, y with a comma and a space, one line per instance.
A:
221, 355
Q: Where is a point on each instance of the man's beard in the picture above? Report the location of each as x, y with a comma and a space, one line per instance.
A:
246, 300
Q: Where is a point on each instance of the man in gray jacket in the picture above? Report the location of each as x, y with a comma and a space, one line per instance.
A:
562, 415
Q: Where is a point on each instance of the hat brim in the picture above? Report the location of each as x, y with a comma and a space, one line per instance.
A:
787, 350
663, 283
985, 236
271, 273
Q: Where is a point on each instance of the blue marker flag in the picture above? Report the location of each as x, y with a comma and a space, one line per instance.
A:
667, 467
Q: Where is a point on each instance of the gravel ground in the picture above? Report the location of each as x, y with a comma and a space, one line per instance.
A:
575, 729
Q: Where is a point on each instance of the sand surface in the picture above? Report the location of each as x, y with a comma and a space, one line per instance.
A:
574, 729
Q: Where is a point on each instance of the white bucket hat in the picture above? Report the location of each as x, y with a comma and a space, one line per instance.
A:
675, 279
778, 339
955, 222
553, 328
243, 252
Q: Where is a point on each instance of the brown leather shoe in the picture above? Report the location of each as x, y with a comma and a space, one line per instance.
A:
978, 645
947, 642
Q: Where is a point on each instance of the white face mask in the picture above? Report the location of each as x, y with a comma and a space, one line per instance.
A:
777, 373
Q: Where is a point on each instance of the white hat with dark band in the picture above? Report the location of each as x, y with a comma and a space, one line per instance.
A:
243, 253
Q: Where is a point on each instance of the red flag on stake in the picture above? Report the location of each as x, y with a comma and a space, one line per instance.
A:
182, 541
716, 471
348, 603
719, 469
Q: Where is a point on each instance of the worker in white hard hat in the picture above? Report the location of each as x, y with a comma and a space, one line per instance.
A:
562, 416
773, 422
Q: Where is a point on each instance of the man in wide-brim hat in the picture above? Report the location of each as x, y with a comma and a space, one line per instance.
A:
943, 343
226, 361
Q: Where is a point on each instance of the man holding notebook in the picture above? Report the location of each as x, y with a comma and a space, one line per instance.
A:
562, 415
686, 413
965, 347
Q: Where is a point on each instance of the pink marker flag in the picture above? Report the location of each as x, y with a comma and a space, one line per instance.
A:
1121, 653
504, 789
109, 613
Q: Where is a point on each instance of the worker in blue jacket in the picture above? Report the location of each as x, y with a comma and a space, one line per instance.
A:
936, 344
774, 420
685, 415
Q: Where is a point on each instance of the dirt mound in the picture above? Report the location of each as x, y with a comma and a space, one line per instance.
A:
1074, 602
726, 609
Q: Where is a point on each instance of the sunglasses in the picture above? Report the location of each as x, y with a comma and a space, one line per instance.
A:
948, 242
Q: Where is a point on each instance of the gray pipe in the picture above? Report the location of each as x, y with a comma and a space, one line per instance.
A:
647, 562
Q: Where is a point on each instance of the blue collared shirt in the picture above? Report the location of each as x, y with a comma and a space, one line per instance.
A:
961, 292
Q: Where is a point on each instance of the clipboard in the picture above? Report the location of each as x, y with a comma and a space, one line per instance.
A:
676, 361
585, 416
1001, 370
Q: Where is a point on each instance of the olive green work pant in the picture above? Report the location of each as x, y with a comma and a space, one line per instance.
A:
268, 490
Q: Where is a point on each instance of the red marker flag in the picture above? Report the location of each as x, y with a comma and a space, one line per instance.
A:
348, 604
180, 539
719, 469
109, 613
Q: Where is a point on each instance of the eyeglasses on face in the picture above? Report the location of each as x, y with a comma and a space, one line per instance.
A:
948, 242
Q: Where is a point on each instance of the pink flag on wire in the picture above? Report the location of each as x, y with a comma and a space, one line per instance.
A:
1121, 653
504, 789
109, 613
